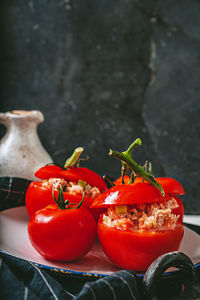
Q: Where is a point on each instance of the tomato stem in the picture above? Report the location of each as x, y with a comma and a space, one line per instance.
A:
130, 149
65, 204
60, 201
137, 170
150, 168
73, 160
80, 203
108, 180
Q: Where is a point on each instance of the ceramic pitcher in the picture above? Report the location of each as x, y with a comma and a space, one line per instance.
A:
21, 152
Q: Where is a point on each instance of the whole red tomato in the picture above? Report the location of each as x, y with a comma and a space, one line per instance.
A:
131, 248
38, 196
62, 234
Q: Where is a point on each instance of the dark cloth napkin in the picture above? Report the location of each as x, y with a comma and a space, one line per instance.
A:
12, 192
20, 279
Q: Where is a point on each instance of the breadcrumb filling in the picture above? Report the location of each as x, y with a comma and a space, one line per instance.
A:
143, 216
75, 188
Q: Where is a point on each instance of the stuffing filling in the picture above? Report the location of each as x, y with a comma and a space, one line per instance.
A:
75, 188
143, 216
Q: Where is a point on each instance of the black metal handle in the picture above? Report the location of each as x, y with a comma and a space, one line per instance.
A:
175, 259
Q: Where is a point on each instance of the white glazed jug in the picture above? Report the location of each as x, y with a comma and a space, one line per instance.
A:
21, 152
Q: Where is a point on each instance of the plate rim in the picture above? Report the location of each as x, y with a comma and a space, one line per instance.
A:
90, 275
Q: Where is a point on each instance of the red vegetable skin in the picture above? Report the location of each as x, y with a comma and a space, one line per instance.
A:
62, 235
38, 196
48, 171
170, 185
141, 193
136, 250
179, 210
129, 194
72, 174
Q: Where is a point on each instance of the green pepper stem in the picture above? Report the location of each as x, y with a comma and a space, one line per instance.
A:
126, 158
74, 158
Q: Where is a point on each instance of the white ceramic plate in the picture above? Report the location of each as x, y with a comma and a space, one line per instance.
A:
14, 241
192, 219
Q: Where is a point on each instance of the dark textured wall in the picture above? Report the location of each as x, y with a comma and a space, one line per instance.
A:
104, 73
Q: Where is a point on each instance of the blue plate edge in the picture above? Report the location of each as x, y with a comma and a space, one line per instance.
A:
88, 274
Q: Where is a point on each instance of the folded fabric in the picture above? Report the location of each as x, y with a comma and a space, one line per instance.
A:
20, 279
12, 192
